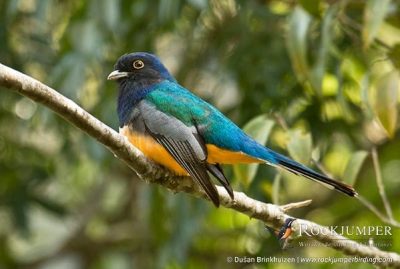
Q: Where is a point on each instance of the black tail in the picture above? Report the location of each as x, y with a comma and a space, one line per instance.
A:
299, 169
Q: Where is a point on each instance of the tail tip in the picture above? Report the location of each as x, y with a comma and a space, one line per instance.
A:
354, 194
349, 190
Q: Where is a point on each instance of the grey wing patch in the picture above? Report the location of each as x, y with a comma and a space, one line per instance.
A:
197, 169
184, 145
160, 123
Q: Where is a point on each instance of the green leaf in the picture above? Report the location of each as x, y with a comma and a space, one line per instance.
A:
299, 22
353, 166
318, 69
259, 128
386, 96
364, 93
374, 14
300, 146
276, 187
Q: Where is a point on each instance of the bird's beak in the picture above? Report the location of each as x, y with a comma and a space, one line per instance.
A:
116, 74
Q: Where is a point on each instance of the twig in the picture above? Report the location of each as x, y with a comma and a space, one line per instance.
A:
291, 206
379, 183
281, 121
271, 214
364, 201
358, 28
376, 211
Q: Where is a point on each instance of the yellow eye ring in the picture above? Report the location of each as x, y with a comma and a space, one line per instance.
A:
138, 64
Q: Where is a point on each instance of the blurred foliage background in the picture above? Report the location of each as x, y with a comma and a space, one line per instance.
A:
314, 79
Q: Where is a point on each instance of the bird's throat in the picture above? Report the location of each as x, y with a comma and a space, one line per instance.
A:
131, 92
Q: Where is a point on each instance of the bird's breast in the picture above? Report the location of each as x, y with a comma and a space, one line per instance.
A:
152, 149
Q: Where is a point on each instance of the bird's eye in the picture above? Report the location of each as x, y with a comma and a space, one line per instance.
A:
138, 64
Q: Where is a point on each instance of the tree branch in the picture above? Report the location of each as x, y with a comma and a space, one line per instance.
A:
272, 215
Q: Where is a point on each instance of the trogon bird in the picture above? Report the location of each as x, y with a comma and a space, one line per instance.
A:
175, 128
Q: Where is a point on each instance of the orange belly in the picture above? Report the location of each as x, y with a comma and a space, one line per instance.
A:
156, 152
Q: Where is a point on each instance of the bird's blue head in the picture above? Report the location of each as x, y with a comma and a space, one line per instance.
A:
137, 74
139, 67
